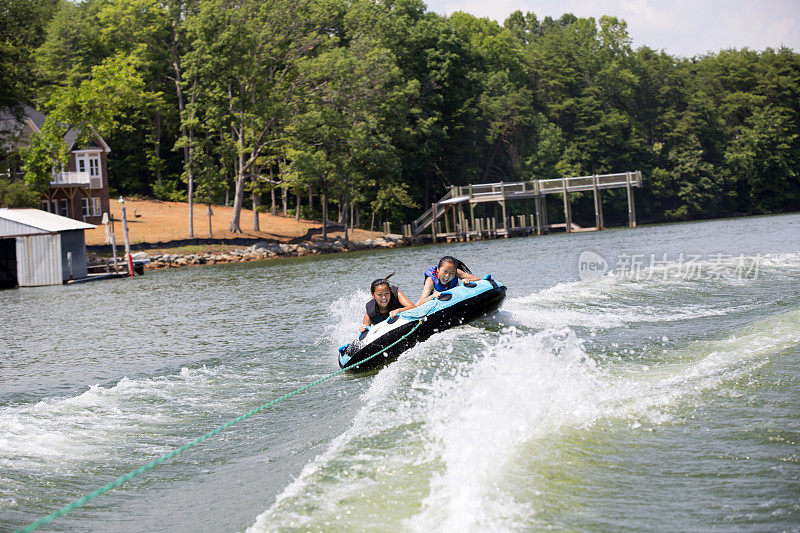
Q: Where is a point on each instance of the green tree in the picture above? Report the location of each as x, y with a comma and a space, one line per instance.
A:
358, 107
22, 30
764, 158
71, 47
45, 152
243, 64
17, 194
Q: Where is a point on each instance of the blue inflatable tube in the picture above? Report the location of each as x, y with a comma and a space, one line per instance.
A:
390, 338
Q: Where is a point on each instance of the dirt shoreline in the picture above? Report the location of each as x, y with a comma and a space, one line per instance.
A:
158, 231
153, 223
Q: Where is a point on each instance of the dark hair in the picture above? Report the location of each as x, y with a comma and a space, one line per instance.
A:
378, 282
458, 264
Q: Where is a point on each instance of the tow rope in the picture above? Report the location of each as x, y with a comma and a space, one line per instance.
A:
149, 466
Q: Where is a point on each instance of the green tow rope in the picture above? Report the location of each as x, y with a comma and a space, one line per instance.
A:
142, 469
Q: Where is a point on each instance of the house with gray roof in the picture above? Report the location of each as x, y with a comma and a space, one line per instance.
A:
79, 189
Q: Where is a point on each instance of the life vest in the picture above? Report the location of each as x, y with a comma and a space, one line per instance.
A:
372, 307
433, 273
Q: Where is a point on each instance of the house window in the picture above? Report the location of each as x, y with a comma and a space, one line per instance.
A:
90, 207
45, 206
88, 163
64, 209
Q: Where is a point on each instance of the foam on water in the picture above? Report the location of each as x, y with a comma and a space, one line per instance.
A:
658, 293
433, 448
60, 434
533, 386
525, 385
347, 312
383, 432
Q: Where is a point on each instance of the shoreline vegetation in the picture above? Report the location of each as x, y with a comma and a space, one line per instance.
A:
366, 112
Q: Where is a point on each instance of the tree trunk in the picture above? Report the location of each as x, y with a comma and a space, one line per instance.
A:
285, 199
187, 150
190, 188
256, 204
157, 149
238, 197
346, 224
310, 201
324, 217
274, 209
297, 209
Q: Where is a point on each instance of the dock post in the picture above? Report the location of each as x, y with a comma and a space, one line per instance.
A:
526, 212
631, 206
567, 207
464, 227
537, 207
114, 250
446, 221
598, 205
433, 222
471, 209
503, 205
128, 258
545, 216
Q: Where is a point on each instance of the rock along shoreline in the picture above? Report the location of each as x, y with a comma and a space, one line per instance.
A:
265, 250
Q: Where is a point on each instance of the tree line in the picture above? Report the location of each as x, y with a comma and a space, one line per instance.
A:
375, 108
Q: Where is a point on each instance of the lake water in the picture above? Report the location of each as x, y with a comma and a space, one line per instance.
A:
663, 396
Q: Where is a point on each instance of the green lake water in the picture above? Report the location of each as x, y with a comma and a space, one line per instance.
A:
662, 396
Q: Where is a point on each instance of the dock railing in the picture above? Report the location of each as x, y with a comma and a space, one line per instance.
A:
523, 190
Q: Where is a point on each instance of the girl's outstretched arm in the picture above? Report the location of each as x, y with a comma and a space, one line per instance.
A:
366, 322
404, 301
465, 275
426, 290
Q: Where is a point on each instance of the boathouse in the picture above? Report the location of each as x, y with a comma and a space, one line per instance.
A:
40, 248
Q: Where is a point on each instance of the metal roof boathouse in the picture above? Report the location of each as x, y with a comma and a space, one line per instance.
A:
40, 248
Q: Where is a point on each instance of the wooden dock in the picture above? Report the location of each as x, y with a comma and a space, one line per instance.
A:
447, 219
